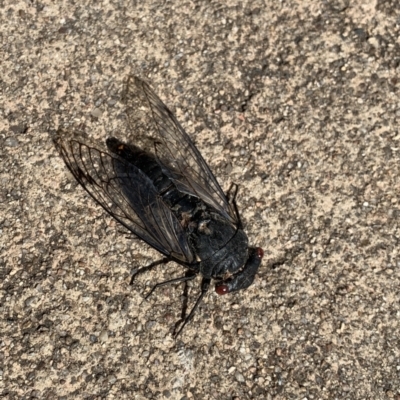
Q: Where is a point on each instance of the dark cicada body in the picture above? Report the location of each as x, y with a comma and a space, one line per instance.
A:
160, 188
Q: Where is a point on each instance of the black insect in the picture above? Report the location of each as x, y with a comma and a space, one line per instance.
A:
160, 188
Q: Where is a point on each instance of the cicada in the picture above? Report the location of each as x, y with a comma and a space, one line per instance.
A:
158, 186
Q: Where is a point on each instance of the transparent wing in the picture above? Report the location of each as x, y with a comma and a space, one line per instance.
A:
126, 194
172, 146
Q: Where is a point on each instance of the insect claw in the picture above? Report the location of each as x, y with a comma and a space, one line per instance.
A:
174, 280
139, 271
205, 283
150, 293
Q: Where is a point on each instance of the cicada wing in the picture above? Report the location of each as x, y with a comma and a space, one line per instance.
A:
172, 146
126, 194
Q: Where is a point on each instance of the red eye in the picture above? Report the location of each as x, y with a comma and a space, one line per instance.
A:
222, 289
260, 252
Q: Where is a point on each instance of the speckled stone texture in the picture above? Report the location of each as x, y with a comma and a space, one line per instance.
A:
297, 102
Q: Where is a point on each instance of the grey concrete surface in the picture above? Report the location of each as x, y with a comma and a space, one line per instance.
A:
298, 102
